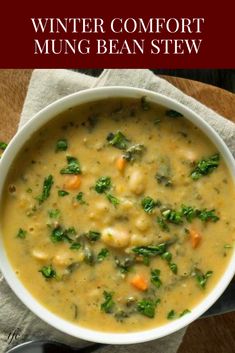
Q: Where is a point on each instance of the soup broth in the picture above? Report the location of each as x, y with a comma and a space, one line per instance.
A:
118, 216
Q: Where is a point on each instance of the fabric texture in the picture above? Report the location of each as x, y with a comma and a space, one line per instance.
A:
17, 323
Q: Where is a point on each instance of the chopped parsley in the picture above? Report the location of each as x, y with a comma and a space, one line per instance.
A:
187, 212
205, 166
102, 254
62, 193
75, 246
173, 267
155, 278
93, 235
201, 278
171, 315
118, 140
113, 200
80, 199
208, 215
61, 145
149, 204
149, 251
172, 216
103, 184
108, 305
184, 312
21, 233
73, 166
3, 146
167, 256
54, 213
47, 185
48, 272
59, 234
147, 307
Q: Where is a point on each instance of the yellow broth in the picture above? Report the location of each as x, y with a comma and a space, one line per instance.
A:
137, 234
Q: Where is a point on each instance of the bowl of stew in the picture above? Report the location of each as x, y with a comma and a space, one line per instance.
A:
116, 212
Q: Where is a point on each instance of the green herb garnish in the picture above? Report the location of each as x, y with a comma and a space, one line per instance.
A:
113, 200
54, 213
3, 146
202, 278
21, 233
103, 184
205, 166
173, 267
102, 254
148, 204
149, 251
61, 145
155, 278
75, 246
48, 272
62, 193
59, 234
208, 215
47, 185
118, 140
184, 312
172, 216
80, 199
171, 315
93, 235
108, 305
73, 166
147, 307
188, 212
167, 256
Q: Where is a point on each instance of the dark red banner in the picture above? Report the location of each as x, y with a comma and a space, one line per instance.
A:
117, 34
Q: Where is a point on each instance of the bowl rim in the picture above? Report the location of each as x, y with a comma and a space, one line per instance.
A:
15, 145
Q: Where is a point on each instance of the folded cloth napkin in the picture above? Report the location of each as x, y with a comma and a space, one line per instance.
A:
17, 323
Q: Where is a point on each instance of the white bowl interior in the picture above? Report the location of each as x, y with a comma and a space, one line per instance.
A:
24, 295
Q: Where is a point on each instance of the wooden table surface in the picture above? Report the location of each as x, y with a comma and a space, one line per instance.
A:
211, 335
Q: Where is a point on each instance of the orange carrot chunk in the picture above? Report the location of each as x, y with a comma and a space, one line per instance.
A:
121, 163
72, 182
139, 282
195, 238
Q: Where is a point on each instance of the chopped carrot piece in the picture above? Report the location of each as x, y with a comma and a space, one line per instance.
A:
121, 163
195, 238
139, 282
72, 182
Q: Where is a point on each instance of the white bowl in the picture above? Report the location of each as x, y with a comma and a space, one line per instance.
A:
25, 296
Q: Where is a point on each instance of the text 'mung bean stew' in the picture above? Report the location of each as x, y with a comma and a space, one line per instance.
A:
118, 215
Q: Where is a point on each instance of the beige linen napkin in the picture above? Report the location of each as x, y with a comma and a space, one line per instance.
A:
17, 323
